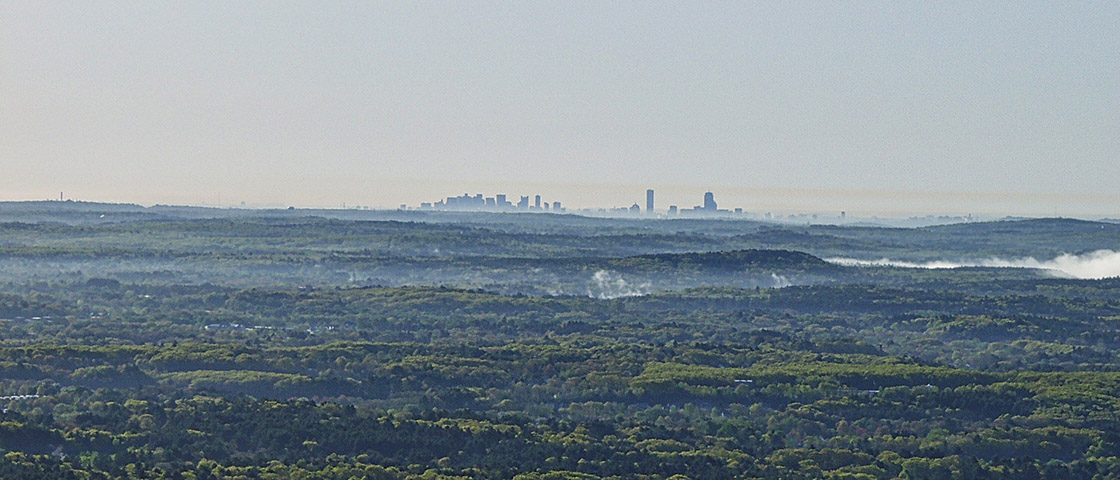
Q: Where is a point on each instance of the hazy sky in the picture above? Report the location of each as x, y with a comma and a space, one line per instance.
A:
977, 106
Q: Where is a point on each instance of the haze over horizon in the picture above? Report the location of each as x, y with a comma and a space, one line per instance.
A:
869, 107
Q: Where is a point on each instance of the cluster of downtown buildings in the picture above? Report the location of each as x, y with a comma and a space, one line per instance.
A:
496, 203
499, 203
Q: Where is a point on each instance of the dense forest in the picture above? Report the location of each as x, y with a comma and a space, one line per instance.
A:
181, 343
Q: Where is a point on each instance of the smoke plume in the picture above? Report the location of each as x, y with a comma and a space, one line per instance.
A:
604, 285
780, 281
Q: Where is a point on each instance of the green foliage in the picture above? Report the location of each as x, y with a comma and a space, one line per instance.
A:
185, 344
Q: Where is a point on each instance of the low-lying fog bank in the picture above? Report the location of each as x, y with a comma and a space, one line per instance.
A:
1092, 265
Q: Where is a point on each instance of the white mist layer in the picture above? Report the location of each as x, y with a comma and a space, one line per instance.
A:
1092, 265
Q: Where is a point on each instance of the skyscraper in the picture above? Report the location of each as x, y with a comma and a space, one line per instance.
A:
649, 201
537, 202
709, 202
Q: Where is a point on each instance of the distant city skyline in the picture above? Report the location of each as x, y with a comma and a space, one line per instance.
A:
498, 203
778, 201
575, 197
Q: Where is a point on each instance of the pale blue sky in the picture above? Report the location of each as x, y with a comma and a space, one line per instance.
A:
862, 106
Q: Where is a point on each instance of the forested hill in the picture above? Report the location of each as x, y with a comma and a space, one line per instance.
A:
1029, 226
1043, 239
736, 260
564, 257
